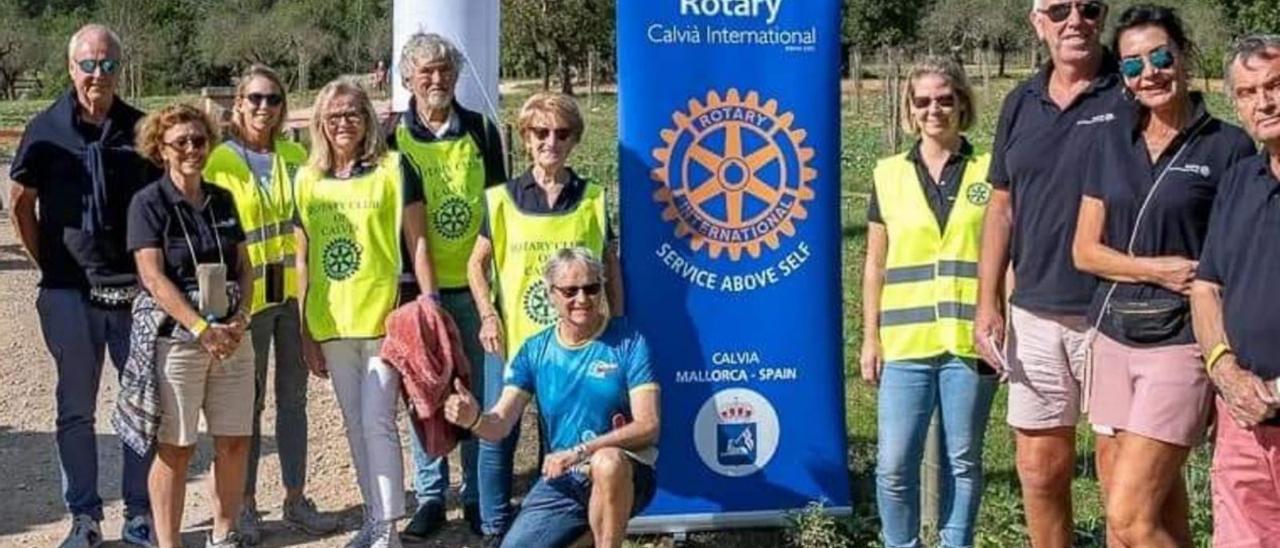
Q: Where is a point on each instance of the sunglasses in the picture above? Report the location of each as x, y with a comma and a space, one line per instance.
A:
943, 101
1090, 11
562, 133
1160, 58
89, 66
572, 291
189, 143
269, 99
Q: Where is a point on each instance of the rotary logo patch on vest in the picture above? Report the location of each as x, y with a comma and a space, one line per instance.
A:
452, 218
734, 174
341, 258
979, 193
537, 304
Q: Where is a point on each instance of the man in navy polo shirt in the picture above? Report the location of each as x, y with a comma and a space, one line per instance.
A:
1236, 309
76, 166
1036, 170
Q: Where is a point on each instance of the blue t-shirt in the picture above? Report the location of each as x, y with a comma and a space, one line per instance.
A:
584, 391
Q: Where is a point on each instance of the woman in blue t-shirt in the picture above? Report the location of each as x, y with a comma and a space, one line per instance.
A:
598, 400
1142, 224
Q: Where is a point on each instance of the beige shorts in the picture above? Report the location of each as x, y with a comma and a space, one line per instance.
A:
1046, 354
191, 381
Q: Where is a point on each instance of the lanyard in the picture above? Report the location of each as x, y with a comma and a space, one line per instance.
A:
214, 225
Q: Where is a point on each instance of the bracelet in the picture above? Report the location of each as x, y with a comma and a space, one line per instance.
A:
580, 452
199, 327
493, 315
475, 423
1215, 355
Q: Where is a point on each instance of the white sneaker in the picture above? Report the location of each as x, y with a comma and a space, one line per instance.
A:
85, 533
364, 537
139, 531
385, 535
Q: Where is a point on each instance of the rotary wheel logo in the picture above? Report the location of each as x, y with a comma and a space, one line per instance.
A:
537, 304
341, 259
979, 193
452, 218
733, 174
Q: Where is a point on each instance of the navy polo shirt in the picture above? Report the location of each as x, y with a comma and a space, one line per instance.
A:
1242, 254
57, 157
154, 223
1037, 159
532, 200
940, 195
1176, 221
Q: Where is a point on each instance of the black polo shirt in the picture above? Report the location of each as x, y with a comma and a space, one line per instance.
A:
1242, 254
1176, 221
82, 243
1037, 159
941, 195
158, 215
532, 200
483, 134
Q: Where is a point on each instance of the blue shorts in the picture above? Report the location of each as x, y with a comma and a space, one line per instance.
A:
554, 513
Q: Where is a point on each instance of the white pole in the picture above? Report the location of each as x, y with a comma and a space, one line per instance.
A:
472, 25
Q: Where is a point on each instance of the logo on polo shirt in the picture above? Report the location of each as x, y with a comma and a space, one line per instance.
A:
1099, 119
734, 174
979, 194
1195, 169
601, 369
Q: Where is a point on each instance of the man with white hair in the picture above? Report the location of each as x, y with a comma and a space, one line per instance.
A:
74, 174
1037, 179
1233, 306
458, 153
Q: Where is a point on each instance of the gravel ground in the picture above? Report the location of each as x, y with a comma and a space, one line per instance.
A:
31, 509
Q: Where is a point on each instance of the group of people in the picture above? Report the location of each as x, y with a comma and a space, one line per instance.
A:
193, 259
1113, 254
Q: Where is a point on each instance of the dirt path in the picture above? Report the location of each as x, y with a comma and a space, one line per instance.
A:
31, 509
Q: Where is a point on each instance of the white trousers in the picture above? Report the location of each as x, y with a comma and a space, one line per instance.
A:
369, 394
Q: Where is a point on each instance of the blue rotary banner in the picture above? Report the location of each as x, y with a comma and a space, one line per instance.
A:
730, 190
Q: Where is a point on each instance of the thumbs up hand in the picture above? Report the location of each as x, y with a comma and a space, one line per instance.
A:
461, 408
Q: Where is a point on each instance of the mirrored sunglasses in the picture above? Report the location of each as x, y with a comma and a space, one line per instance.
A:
1160, 58
90, 66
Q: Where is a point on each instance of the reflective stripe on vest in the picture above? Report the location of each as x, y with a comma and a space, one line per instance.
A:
522, 243
453, 179
267, 216
931, 276
353, 249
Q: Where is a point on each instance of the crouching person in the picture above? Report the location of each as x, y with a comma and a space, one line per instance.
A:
598, 399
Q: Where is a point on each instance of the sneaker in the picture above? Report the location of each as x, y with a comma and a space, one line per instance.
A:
471, 512
232, 540
139, 531
385, 535
364, 537
303, 515
492, 541
249, 525
85, 533
427, 520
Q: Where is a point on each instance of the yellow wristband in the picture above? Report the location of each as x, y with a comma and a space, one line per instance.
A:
1215, 355
199, 327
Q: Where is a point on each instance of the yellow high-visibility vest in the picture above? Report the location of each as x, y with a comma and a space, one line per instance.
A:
930, 289
265, 214
453, 179
353, 249
522, 243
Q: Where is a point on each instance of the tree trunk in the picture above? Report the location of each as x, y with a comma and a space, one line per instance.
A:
546, 73
984, 69
304, 67
1001, 56
855, 70
566, 74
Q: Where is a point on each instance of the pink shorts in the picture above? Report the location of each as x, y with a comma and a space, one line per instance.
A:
1160, 393
1046, 364
1246, 485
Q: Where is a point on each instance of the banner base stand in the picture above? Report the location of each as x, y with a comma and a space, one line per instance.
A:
687, 523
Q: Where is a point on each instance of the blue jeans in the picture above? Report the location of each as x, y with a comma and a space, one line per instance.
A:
555, 512
909, 393
78, 335
431, 476
278, 326
496, 460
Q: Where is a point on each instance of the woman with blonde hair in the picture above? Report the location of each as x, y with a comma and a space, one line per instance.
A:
256, 164
354, 199
920, 288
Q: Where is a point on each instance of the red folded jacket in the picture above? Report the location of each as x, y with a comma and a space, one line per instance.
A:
424, 346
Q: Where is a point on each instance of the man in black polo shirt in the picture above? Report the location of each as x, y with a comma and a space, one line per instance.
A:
1236, 309
74, 174
1036, 170
458, 153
